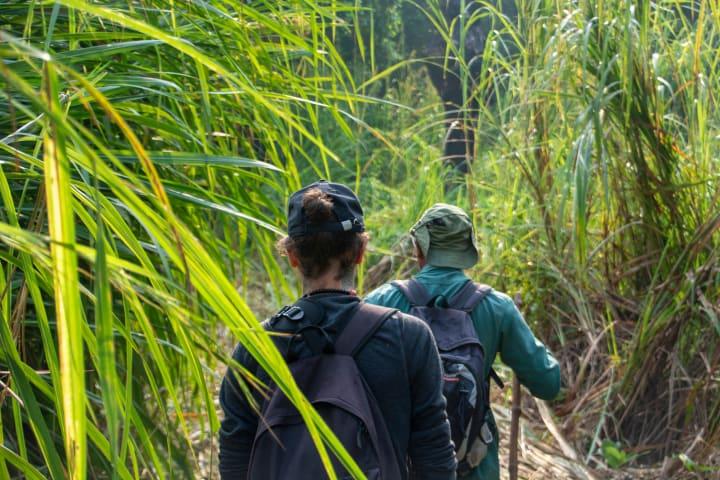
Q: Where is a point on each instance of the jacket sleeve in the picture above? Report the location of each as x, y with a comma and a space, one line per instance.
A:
531, 361
237, 429
431, 451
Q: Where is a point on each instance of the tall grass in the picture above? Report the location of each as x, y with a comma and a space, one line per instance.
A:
595, 189
640, 193
146, 155
147, 150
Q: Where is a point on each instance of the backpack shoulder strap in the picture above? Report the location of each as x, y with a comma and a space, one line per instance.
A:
469, 296
413, 290
361, 326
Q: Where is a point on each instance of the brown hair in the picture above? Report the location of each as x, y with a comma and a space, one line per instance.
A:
316, 251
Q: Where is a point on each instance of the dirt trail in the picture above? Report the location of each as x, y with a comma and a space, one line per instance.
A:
539, 452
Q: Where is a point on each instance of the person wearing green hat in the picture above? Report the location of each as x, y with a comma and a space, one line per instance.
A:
445, 245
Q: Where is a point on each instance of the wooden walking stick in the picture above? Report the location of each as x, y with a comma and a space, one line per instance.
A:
515, 428
515, 418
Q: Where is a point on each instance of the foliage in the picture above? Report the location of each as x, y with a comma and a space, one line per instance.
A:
692, 466
595, 189
149, 149
614, 455
151, 145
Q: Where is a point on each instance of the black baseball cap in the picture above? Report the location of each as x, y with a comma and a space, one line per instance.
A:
346, 208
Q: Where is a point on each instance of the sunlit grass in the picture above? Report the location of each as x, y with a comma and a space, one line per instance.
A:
147, 150
595, 191
132, 196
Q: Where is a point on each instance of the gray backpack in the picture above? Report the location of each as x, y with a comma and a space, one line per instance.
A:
466, 390
332, 382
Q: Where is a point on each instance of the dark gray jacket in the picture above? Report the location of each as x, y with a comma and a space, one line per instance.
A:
400, 364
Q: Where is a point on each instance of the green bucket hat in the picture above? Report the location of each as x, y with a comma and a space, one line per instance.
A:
446, 237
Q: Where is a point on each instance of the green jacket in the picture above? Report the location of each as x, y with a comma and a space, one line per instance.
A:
501, 329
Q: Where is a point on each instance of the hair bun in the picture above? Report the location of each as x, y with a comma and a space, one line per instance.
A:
317, 205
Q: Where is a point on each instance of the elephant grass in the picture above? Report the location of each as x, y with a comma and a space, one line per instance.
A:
132, 203
178, 130
595, 192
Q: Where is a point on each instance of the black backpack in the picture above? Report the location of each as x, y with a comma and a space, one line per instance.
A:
332, 382
466, 390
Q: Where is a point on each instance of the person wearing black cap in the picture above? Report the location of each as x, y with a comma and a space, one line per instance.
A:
399, 362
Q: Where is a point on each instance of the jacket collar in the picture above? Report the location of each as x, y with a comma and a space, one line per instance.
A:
430, 274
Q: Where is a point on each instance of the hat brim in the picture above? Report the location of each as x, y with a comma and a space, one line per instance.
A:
442, 257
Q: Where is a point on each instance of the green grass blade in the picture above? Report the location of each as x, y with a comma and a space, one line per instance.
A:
28, 471
67, 298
